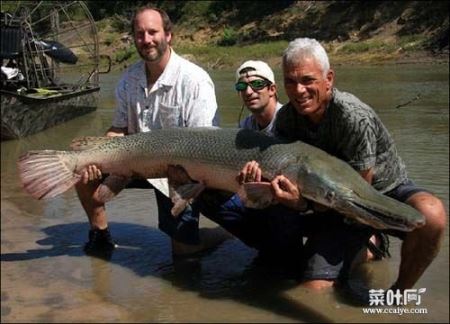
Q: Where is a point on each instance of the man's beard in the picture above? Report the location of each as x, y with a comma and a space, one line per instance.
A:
154, 56
258, 109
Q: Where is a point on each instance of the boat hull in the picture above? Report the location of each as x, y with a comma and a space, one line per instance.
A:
25, 115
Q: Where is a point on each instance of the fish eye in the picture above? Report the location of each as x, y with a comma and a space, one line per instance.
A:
330, 195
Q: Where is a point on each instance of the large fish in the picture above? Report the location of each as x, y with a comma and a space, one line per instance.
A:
198, 158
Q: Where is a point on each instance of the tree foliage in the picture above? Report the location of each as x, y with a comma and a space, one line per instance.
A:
325, 20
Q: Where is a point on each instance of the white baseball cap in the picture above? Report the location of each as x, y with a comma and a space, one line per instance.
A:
261, 69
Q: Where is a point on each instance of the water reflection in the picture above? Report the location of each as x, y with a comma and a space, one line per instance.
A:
46, 276
212, 276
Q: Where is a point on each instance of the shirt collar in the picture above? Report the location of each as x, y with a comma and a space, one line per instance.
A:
170, 75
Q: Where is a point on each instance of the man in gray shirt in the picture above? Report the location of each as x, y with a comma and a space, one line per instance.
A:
342, 125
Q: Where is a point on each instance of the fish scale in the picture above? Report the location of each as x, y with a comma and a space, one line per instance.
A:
213, 157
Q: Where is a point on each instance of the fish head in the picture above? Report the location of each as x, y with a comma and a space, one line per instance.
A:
374, 209
339, 187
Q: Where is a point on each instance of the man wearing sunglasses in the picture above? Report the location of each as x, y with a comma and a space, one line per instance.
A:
275, 231
255, 84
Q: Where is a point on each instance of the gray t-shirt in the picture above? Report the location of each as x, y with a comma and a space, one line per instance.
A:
251, 123
351, 131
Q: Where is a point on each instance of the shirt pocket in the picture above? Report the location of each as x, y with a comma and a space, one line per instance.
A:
168, 115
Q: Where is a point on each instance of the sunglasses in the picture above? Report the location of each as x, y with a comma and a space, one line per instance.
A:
255, 85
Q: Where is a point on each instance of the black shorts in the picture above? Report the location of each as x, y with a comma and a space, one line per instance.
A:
331, 246
405, 190
277, 232
331, 243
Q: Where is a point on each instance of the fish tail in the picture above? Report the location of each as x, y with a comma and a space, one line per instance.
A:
46, 174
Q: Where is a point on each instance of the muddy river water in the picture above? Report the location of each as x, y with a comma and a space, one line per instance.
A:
46, 277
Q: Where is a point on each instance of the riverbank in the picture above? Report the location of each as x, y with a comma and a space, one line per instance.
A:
213, 57
220, 35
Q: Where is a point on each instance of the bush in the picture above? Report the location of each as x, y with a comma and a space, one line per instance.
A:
110, 39
120, 24
229, 37
216, 56
124, 54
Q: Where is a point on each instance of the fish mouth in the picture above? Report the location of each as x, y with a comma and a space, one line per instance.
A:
383, 219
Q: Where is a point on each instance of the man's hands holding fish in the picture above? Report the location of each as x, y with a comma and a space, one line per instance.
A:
284, 191
92, 173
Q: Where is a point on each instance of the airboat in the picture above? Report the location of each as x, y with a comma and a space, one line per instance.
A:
50, 65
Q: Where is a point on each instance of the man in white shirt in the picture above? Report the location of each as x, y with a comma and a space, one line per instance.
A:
163, 90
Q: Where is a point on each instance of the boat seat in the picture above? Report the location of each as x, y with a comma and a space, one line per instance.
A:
10, 46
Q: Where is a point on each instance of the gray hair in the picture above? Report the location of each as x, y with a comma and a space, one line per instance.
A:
302, 48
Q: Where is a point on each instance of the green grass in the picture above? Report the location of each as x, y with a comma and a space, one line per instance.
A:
219, 57
407, 43
412, 42
232, 55
110, 39
125, 54
363, 46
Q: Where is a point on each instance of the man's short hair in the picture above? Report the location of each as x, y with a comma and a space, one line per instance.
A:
302, 48
167, 23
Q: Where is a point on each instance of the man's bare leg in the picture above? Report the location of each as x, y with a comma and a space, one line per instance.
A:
318, 284
94, 209
421, 246
100, 240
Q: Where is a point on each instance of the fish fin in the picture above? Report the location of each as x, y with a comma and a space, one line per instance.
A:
88, 142
184, 195
182, 189
111, 186
177, 176
256, 194
161, 184
46, 174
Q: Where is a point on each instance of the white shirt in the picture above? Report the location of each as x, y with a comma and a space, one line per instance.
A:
183, 96
251, 123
